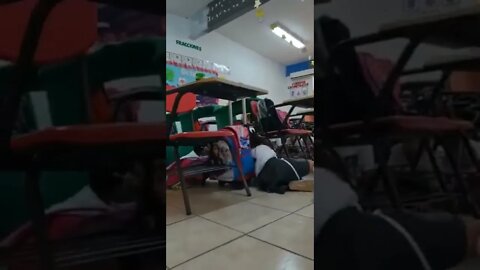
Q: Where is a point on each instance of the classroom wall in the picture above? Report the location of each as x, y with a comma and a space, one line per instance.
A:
246, 66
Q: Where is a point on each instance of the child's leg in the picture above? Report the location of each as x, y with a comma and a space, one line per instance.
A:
301, 185
303, 168
311, 166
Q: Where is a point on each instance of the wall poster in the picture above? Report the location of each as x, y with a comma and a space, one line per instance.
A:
301, 86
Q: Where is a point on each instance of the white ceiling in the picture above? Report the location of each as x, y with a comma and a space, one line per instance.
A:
296, 15
185, 8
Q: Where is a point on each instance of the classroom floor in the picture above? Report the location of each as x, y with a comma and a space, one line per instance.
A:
230, 230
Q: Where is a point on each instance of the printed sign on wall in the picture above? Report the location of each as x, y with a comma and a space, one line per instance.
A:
188, 45
300, 87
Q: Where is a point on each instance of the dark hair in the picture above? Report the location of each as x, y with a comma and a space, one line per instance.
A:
256, 140
213, 159
104, 183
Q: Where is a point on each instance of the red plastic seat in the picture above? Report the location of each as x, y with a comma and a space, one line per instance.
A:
89, 135
60, 37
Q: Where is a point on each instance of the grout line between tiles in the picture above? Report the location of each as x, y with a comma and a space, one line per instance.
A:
212, 249
278, 208
290, 251
237, 238
195, 215
296, 212
216, 222
186, 217
242, 235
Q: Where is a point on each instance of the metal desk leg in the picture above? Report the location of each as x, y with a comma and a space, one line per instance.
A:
285, 121
386, 93
230, 112
238, 161
39, 221
244, 111
186, 200
461, 182
471, 153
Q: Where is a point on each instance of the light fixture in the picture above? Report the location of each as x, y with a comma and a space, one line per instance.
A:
103, 25
286, 35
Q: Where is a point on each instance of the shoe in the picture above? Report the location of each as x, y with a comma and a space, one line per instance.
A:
301, 185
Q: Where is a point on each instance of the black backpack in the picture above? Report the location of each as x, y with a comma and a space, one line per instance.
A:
269, 119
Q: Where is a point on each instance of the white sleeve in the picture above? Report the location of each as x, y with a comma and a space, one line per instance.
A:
331, 195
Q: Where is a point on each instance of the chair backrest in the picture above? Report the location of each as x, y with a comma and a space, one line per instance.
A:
60, 39
104, 110
347, 95
186, 104
254, 108
133, 58
376, 71
46, 32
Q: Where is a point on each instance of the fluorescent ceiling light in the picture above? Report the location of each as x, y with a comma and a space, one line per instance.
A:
103, 25
284, 34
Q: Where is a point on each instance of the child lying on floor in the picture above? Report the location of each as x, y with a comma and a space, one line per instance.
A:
346, 237
278, 175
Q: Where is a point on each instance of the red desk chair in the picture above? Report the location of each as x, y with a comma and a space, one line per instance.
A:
381, 128
295, 135
57, 148
195, 138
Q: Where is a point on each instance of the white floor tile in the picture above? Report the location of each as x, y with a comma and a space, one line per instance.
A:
245, 217
290, 201
191, 237
248, 253
294, 233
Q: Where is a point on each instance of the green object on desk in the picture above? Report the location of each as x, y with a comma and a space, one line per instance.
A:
222, 115
205, 111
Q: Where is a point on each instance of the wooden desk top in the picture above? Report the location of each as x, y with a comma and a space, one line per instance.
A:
220, 88
455, 29
302, 102
460, 62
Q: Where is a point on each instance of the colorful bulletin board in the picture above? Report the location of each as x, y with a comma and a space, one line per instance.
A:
183, 69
